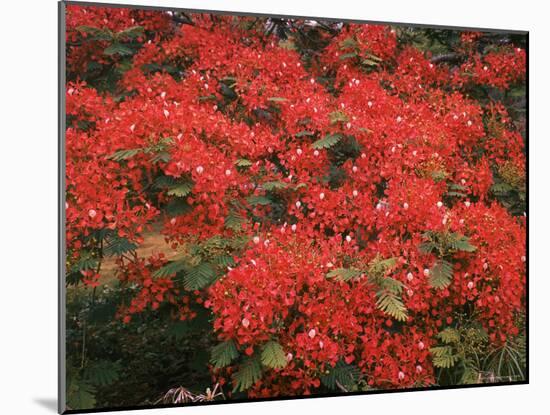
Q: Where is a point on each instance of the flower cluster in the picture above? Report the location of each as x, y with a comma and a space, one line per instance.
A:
279, 290
499, 68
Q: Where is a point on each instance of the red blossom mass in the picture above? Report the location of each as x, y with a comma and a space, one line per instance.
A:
337, 187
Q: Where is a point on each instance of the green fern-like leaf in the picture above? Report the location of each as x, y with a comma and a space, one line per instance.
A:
159, 156
84, 264
441, 274
80, 394
449, 335
444, 357
274, 185
165, 182
378, 268
456, 190
456, 194
249, 373
477, 334
118, 49
95, 33
348, 43
427, 247
170, 269
181, 190
470, 376
348, 55
234, 220
338, 116
223, 354
217, 243
341, 375
461, 243
243, 163
277, 99
454, 186
102, 373
199, 277
344, 274
273, 355
327, 142
125, 154
391, 284
225, 261
502, 187
370, 62
258, 200
391, 304
118, 246
131, 32
445, 243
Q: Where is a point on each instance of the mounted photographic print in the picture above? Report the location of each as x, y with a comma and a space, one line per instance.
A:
264, 207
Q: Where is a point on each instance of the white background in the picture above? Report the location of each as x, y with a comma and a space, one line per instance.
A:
28, 251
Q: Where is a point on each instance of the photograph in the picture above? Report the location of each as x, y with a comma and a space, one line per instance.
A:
262, 207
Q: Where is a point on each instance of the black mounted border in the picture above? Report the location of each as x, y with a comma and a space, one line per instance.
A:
61, 203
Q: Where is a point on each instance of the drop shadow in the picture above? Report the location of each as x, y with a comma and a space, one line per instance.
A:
48, 403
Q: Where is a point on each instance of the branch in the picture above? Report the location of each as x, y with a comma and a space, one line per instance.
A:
448, 57
182, 18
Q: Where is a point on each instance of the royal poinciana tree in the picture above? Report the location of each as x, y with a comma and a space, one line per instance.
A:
347, 201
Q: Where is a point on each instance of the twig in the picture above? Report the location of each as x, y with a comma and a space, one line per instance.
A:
341, 387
